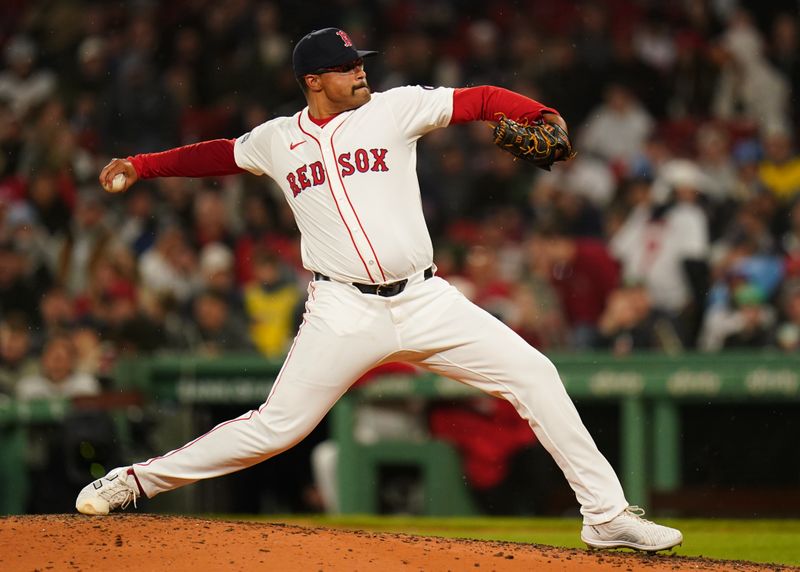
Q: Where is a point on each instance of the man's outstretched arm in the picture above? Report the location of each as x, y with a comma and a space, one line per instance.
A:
525, 128
206, 159
490, 103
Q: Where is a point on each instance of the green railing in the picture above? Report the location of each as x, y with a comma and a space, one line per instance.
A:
648, 388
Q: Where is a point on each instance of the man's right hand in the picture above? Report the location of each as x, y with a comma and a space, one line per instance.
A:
114, 168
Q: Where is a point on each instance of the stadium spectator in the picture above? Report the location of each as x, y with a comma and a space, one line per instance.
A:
749, 91
58, 376
449, 190
787, 332
57, 313
22, 84
169, 268
212, 330
107, 285
134, 332
211, 222
616, 130
217, 275
654, 42
742, 260
663, 243
790, 240
93, 73
784, 54
18, 291
51, 145
501, 231
592, 36
642, 61
176, 203
505, 183
588, 180
75, 253
264, 228
535, 315
747, 322
647, 164
489, 289
483, 53
91, 354
715, 162
719, 176
750, 224
11, 143
565, 78
20, 228
693, 77
746, 157
271, 301
779, 170
629, 324
499, 454
139, 113
583, 274
16, 356
137, 225
535, 287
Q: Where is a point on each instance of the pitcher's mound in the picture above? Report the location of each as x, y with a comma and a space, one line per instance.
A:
147, 542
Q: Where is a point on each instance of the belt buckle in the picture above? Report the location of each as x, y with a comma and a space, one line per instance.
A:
385, 290
391, 289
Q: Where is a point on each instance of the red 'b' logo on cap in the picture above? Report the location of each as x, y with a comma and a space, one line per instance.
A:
345, 38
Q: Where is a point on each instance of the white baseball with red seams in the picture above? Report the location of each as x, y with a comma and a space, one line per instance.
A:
353, 188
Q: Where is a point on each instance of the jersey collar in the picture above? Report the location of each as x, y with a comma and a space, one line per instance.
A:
310, 126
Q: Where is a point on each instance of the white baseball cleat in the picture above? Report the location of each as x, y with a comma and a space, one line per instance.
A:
116, 490
629, 530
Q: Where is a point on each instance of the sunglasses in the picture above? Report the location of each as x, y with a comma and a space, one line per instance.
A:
349, 67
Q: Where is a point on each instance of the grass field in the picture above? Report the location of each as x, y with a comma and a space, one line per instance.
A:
776, 541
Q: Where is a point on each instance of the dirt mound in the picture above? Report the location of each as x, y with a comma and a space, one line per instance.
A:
148, 542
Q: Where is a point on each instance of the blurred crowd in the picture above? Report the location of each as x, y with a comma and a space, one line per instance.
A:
676, 228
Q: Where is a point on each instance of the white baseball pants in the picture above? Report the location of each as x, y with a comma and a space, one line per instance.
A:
345, 333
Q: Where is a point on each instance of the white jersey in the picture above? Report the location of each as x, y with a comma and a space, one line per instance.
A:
352, 184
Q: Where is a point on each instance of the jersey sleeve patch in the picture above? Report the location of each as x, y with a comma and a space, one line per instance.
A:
253, 151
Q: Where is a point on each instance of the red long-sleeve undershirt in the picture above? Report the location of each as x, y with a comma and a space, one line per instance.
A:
488, 103
215, 158
205, 159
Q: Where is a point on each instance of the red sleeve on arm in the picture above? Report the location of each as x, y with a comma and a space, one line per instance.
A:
205, 159
488, 103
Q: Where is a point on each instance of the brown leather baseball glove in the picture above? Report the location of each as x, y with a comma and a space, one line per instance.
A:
541, 143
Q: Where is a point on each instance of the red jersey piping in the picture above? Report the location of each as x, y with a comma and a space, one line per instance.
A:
346, 194
330, 187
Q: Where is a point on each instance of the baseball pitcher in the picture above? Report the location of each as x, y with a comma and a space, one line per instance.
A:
347, 166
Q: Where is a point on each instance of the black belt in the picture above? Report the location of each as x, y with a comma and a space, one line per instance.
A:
385, 290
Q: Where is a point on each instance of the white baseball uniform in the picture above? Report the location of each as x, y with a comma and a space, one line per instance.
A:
353, 188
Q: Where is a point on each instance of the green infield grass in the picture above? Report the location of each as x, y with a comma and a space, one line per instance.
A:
776, 541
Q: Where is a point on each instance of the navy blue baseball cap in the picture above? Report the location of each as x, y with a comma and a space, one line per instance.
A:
324, 48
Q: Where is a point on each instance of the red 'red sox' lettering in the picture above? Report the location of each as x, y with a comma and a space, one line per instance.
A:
346, 165
361, 161
317, 173
299, 181
378, 160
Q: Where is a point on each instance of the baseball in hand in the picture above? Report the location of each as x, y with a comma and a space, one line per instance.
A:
117, 183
